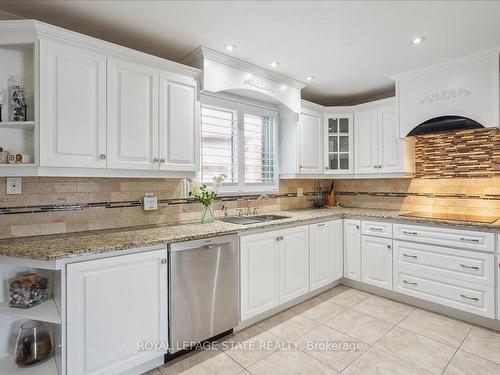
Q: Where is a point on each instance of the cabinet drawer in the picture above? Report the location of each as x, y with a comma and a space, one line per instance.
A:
476, 299
456, 264
458, 238
376, 228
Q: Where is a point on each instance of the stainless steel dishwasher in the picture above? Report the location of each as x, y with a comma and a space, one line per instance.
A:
203, 290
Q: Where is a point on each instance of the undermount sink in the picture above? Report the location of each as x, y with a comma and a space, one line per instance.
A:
246, 220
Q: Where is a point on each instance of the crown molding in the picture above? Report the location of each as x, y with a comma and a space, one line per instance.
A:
195, 58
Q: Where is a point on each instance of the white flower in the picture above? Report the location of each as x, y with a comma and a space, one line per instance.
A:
195, 188
218, 181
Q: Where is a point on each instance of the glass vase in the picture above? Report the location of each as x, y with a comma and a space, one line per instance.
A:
207, 214
17, 96
34, 344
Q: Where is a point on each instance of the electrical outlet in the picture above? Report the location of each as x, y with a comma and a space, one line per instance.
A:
150, 202
300, 192
14, 185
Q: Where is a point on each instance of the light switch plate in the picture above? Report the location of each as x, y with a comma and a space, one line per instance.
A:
150, 202
300, 192
14, 186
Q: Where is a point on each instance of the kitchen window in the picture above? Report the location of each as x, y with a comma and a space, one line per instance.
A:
239, 140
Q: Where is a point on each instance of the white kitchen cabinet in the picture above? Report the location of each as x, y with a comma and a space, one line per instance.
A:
72, 106
309, 142
178, 123
338, 143
377, 146
132, 110
113, 305
294, 262
259, 273
376, 255
352, 249
326, 253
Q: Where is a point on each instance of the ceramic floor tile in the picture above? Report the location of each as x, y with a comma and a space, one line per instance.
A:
206, 362
437, 327
419, 350
360, 326
277, 319
484, 343
383, 309
293, 328
331, 347
249, 345
153, 372
464, 363
378, 362
290, 362
343, 296
318, 310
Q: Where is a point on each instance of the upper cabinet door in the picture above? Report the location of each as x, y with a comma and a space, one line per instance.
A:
132, 104
338, 144
72, 106
366, 144
179, 123
390, 146
310, 140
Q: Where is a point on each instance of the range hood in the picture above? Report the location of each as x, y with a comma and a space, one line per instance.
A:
460, 94
445, 123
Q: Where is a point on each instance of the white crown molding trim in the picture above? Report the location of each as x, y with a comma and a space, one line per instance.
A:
200, 53
493, 52
37, 29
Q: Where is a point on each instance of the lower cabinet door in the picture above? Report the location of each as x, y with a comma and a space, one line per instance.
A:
326, 253
114, 306
352, 249
376, 260
294, 262
259, 273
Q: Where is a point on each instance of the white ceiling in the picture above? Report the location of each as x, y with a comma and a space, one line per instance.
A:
351, 47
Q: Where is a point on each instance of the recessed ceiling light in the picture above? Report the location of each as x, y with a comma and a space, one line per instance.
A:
230, 47
417, 40
274, 64
309, 78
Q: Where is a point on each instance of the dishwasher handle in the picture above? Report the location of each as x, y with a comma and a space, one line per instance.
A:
205, 243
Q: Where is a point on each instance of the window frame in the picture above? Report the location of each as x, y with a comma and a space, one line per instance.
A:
242, 106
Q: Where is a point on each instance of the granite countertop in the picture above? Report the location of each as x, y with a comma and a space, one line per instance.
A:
60, 246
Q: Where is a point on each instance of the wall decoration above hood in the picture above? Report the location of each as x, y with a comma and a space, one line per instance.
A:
223, 73
462, 93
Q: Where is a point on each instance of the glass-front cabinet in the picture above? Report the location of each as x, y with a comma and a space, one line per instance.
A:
338, 143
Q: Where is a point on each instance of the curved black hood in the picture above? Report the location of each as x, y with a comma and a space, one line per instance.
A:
445, 123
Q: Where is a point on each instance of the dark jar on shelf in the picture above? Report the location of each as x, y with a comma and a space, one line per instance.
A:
34, 344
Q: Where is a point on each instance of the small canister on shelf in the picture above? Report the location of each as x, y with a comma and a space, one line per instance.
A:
28, 290
3, 156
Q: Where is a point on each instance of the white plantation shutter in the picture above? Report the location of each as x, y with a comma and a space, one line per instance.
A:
219, 146
260, 149
239, 140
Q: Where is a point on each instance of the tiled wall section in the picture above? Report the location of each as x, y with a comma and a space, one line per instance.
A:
479, 196
465, 153
59, 205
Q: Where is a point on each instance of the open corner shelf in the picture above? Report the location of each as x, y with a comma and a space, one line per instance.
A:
17, 125
44, 312
8, 367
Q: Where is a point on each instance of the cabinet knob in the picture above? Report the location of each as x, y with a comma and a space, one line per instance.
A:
326, 167
279, 238
163, 261
155, 160
102, 156
162, 160
300, 166
357, 226
388, 246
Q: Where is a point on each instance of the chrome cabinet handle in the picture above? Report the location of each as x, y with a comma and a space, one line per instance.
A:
162, 160
465, 239
388, 246
410, 256
102, 156
410, 283
408, 232
321, 225
469, 267
357, 226
471, 298
377, 229
279, 238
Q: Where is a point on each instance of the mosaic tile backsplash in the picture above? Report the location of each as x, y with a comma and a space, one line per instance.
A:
51, 205
464, 153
